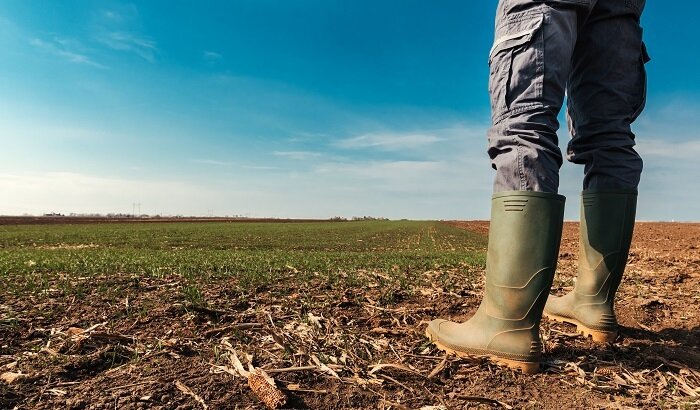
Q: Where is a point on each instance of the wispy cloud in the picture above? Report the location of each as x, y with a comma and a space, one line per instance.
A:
211, 56
120, 13
308, 137
670, 149
211, 162
68, 49
669, 132
261, 167
298, 155
132, 43
78, 192
389, 141
112, 15
381, 169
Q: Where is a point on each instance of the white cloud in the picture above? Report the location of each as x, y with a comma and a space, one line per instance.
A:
298, 155
112, 15
67, 192
389, 141
119, 13
211, 55
301, 137
68, 49
211, 162
408, 177
675, 150
381, 169
130, 42
669, 133
261, 167
396, 189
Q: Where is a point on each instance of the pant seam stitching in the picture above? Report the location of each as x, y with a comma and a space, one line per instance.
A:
521, 170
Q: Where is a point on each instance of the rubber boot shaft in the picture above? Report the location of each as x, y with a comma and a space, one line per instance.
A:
607, 224
524, 238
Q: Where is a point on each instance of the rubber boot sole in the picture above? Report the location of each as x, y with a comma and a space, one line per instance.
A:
525, 367
598, 336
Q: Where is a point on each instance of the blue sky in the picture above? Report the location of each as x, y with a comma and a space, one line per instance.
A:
292, 109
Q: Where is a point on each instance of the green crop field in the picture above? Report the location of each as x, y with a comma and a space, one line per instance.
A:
86, 307
34, 258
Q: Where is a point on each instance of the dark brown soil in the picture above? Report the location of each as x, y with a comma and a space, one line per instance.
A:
131, 347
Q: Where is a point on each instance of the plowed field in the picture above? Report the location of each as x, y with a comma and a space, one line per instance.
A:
170, 315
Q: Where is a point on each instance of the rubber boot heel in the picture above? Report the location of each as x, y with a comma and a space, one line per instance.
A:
598, 336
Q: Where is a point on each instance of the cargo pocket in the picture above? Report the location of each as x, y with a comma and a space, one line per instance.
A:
516, 65
643, 59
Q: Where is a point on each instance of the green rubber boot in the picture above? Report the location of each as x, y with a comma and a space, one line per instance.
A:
607, 222
524, 239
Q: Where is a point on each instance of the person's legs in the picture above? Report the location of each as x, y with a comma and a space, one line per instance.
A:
606, 94
529, 68
607, 91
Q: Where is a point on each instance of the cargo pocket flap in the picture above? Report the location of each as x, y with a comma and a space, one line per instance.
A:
517, 33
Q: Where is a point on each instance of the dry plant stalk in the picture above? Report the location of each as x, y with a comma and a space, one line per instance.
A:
266, 391
183, 388
11, 377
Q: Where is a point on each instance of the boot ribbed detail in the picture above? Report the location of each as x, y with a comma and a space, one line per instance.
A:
524, 238
607, 224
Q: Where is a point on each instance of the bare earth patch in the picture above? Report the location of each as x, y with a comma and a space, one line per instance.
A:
69, 246
332, 345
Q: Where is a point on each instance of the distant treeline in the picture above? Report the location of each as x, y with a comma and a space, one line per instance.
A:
358, 218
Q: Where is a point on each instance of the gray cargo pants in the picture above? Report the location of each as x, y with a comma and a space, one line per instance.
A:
591, 50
